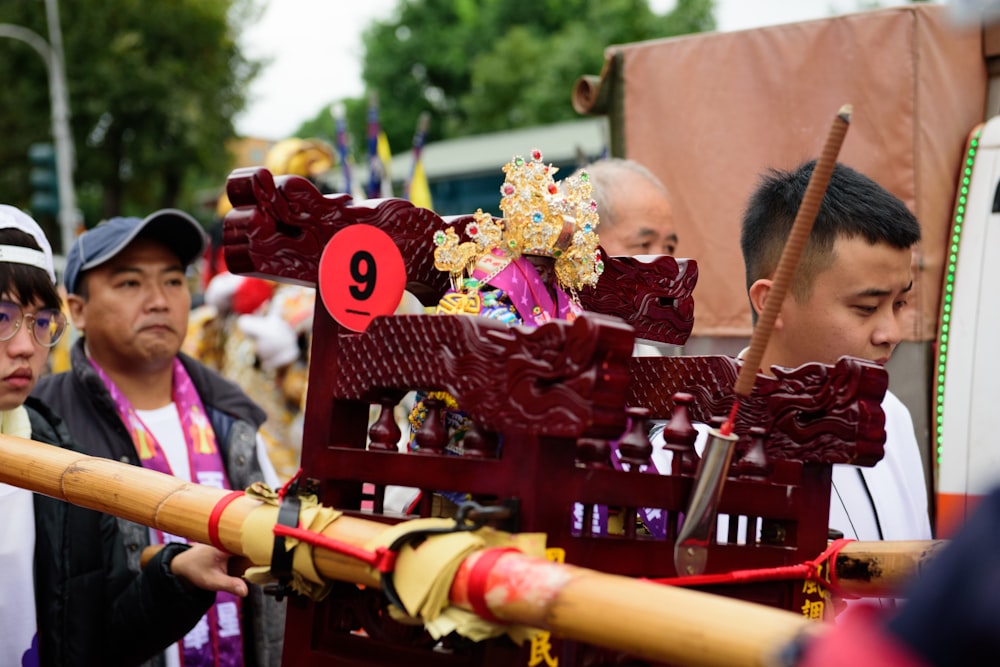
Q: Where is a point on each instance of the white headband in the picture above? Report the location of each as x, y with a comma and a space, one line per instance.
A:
14, 218
18, 254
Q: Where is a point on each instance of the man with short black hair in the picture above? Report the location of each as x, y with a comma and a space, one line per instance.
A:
132, 396
845, 299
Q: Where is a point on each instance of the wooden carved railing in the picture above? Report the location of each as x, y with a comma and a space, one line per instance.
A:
279, 226
544, 380
816, 413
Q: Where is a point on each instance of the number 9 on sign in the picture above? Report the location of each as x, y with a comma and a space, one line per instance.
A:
361, 275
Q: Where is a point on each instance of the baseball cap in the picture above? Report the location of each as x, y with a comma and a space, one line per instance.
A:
15, 218
175, 229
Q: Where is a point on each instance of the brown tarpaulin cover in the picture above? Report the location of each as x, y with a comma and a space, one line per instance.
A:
708, 113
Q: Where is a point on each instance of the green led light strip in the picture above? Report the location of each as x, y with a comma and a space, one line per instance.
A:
949, 289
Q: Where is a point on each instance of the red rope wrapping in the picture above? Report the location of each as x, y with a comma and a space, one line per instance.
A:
381, 559
831, 554
284, 489
811, 570
478, 578
213, 518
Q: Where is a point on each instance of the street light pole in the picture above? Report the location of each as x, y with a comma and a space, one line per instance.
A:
61, 136
52, 55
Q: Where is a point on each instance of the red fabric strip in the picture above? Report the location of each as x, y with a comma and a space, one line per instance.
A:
478, 578
213, 518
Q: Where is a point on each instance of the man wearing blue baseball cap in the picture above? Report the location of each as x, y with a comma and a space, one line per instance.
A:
131, 395
173, 228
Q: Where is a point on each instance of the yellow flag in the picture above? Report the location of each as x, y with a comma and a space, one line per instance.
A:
420, 191
385, 157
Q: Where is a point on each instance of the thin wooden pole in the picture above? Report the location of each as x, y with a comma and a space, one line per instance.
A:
798, 237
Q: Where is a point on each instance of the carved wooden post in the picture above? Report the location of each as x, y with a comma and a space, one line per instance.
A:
755, 465
634, 446
679, 436
635, 450
479, 443
432, 435
385, 433
593, 453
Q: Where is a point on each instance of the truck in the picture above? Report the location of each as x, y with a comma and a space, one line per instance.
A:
708, 113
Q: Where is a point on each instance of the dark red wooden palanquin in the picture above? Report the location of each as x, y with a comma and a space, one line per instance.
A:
555, 396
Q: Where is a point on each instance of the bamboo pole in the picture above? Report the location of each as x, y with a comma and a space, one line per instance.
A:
161, 501
882, 569
647, 620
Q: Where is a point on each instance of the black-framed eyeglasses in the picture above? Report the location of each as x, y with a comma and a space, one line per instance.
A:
47, 325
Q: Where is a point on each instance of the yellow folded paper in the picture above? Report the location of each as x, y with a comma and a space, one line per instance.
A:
424, 574
257, 538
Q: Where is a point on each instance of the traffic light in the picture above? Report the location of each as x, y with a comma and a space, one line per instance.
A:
44, 180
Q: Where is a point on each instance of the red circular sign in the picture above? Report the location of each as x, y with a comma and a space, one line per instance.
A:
361, 275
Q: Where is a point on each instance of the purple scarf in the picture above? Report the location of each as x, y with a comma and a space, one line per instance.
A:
216, 640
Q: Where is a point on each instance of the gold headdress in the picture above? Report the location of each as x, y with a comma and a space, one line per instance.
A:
539, 218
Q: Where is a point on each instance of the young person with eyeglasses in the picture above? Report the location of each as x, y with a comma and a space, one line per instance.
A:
66, 594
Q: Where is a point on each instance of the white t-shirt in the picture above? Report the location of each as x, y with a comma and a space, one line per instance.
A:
18, 631
887, 501
165, 424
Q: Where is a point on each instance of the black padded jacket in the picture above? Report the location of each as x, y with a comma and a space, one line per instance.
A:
82, 400
91, 609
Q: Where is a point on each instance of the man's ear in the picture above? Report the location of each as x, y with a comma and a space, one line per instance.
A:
758, 292
75, 304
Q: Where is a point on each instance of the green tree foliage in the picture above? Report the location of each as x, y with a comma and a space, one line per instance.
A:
490, 65
153, 89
